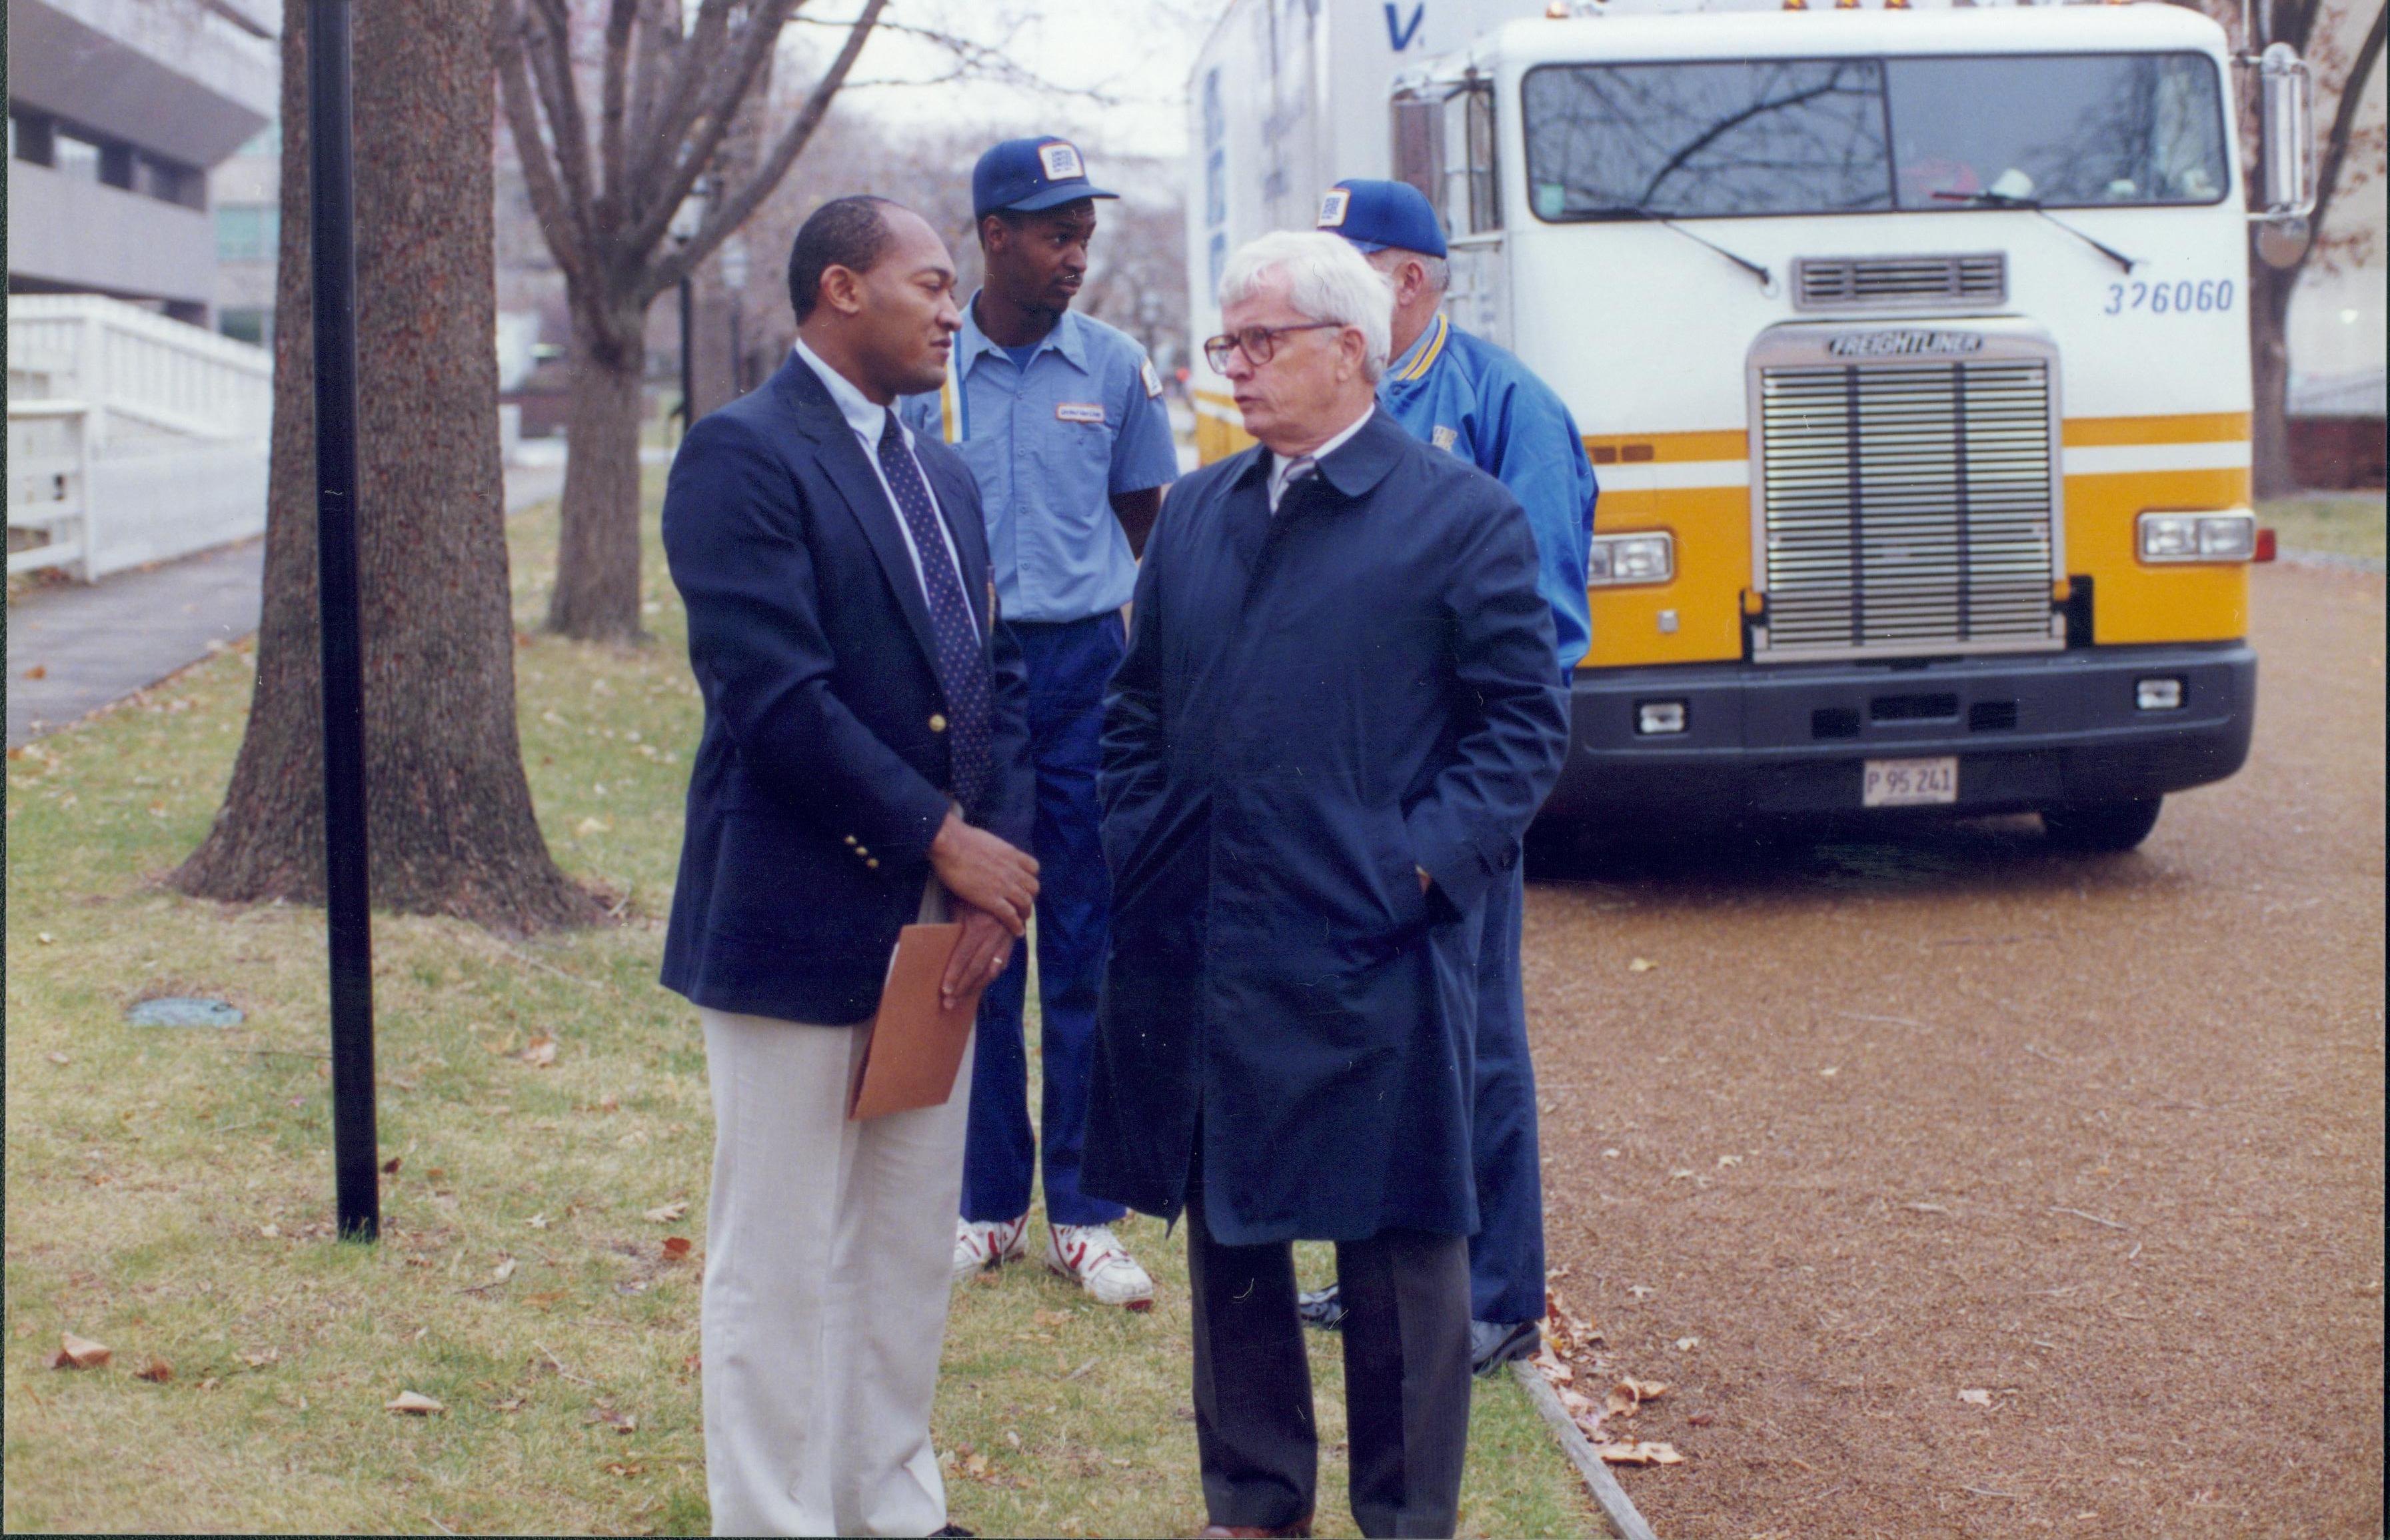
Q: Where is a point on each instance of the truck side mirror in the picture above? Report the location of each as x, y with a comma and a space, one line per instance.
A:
2286, 154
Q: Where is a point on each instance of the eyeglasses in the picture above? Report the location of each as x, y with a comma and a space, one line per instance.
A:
1259, 345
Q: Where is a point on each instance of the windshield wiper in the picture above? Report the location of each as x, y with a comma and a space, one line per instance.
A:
1766, 279
2033, 205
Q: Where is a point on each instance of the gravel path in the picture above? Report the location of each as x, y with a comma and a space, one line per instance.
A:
2098, 1139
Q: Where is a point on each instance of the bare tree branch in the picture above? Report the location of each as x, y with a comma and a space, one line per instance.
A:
566, 225
998, 60
659, 38
2343, 119
728, 213
692, 66
697, 143
548, 48
614, 84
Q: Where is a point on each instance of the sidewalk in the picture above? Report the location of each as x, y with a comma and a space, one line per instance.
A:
73, 649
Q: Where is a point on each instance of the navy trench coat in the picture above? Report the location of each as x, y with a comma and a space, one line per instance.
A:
1315, 707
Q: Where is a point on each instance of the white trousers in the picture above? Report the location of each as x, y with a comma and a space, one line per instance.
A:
829, 1252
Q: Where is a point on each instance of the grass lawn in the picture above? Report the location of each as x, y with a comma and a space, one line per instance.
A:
169, 1189
2337, 523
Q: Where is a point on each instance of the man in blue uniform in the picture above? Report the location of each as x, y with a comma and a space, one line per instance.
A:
1466, 396
1062, 420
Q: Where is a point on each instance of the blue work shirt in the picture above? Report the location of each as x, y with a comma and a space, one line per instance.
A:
1463, 394
1049, 446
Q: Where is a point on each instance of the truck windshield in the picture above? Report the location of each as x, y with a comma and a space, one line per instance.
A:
1852, 135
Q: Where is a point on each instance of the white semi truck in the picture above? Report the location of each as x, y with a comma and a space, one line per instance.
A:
1910, 346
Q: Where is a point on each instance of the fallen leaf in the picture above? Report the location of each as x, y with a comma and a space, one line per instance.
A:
545, 1298
1641, 965
435, 1174
619, 1468
1831, 1072
1976, 1398
1054, 1317
61, 1059
976, 1465
390, 1167
44, 937
79, 1353
665, 1214
157, 1371
589, 826
1686, 1344
415, 1404
540, 1052
1701, 1419
1620, 1402
1553, 1369
1639, 1453
1730, 1160
39, 671
1575, 1404
622, 1422
675, 1247
1645, 1390
504, 1270
511, 1404
537, 1222
269, 1231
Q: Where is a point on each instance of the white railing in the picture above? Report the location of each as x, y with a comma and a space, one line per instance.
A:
131, 437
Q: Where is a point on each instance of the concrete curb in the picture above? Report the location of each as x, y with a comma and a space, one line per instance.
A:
2334, 559
1604, 1486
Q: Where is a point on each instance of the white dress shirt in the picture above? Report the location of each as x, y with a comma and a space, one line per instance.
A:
1284, 471
869, 420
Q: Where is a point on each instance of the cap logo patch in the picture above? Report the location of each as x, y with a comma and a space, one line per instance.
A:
1061, 161
1332, 206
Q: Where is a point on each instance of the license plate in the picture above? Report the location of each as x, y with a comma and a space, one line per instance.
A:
1910, 782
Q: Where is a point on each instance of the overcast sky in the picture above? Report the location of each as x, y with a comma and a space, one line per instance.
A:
1136, 53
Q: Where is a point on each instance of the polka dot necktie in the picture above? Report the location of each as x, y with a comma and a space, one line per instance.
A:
962, 663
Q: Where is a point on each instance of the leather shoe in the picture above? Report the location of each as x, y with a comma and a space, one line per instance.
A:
1300, 1527
1491, 1345
1323, 1308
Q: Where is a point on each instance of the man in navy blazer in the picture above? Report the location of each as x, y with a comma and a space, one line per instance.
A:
1337, 714
864, 764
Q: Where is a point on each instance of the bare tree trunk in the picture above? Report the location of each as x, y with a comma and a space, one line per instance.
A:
2272, 473
449, 815
596, 596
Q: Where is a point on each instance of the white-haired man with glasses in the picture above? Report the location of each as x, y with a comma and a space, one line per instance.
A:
1336, 716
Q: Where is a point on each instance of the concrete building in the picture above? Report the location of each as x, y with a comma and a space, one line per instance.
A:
117, 111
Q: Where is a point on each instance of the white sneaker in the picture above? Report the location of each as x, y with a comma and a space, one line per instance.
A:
981, 1244
1092, 1257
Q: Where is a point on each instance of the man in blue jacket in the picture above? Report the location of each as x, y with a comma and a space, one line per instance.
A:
1337, 714
1060, 419
1462, 394
864, 764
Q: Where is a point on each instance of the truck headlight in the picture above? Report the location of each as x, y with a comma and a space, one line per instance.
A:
1621, 560
2230, 535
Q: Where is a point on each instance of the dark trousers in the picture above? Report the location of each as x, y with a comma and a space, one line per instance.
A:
1505, 1255
1406, 1382
1069, 666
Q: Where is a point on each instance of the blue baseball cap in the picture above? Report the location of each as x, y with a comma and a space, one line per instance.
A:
1374, 216
1025, 175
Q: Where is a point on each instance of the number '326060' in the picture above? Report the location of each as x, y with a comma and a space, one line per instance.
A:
2182, 297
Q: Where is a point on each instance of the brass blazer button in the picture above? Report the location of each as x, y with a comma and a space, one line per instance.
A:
937, 723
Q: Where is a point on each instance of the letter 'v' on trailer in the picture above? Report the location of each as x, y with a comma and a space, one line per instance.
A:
1910, 348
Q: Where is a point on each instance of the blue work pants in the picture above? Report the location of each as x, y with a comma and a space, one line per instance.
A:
1505, 1255
1069, 665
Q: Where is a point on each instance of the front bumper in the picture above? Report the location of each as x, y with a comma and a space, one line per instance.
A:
2031, 732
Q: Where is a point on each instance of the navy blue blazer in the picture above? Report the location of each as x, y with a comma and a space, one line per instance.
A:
1315, 707
823, 773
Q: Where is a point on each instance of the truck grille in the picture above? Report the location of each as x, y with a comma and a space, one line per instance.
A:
1908, 508
1974, 278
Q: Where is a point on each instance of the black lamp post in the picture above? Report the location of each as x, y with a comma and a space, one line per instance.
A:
331, 220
